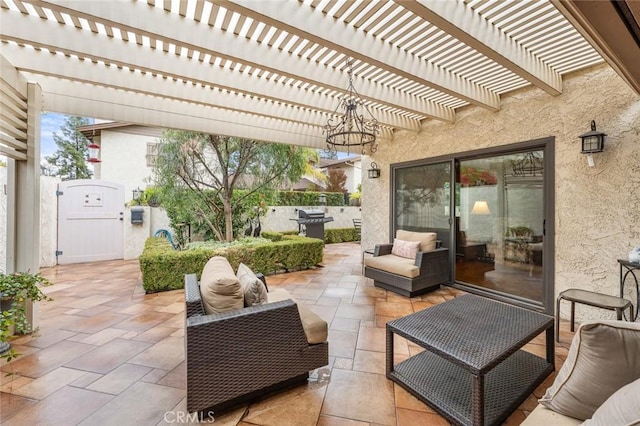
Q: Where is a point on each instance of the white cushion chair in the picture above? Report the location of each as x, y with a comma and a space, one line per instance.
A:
412, 265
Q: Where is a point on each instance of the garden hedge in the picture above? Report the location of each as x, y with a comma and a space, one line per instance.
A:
333, 235
163, 268
341, 235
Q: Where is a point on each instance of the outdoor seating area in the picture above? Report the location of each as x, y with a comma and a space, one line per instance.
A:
107, 353
478, 193
414, 264
240, 354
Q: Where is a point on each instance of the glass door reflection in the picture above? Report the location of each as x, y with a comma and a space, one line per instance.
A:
421, 199
499, 224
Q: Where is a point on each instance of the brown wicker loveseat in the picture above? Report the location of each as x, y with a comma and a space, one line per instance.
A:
236, 356
413, 275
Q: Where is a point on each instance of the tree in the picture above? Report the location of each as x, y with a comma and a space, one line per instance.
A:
196, 175
337, 179
311, 171
70, 160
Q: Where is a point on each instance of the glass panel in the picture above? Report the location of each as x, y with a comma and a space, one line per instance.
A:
499, 225
421, 199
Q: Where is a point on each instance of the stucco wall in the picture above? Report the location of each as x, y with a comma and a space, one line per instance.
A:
597, 208
354, 175
3, 218
48, 219
123, 158
280, 219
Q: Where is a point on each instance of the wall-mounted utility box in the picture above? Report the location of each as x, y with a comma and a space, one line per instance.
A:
137, 215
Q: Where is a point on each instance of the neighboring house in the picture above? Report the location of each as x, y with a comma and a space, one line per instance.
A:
306, 183
127, 153
351, 166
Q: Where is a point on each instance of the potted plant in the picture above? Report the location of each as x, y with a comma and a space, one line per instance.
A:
16, 290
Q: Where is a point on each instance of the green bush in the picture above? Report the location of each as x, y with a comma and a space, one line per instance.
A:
163, 268
341, 235
307, 198
336, 235
271, 235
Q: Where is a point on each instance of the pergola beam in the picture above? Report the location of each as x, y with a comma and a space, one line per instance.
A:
476, 32
70, 68
69, 97
300, 20
170, 28
603, 25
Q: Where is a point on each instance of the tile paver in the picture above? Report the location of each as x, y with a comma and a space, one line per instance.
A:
120, 353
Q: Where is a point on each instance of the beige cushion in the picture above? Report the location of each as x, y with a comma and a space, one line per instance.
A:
253, 288
278, 295
542, 416
394, 264
315, 328
427, 239
622, 408
219, 287
407, 249
604, 356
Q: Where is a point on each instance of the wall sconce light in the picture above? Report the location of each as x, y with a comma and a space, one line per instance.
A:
322, 199
480, 207
137, 194
374, 171
93, 153
592, 142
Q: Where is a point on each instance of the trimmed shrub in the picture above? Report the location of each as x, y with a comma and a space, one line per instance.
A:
163, 268
335, 235
272, 235
341, 235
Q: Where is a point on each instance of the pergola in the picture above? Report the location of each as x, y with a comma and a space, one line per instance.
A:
274, 70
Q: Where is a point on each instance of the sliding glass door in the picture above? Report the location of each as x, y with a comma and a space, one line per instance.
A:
490, 208
500, 228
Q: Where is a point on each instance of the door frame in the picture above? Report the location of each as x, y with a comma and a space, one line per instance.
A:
547, 145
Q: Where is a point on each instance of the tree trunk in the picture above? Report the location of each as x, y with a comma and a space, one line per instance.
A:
228, 219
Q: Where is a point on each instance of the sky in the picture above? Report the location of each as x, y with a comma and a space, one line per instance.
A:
50, 123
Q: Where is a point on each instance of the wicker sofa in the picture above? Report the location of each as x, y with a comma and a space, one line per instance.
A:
236, 356
599, 383
409, 275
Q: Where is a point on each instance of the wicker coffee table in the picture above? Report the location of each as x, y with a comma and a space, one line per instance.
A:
472, 371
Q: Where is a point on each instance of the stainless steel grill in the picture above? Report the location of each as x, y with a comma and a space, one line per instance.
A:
311, 222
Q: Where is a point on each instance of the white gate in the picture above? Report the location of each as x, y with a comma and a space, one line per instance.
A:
90, 221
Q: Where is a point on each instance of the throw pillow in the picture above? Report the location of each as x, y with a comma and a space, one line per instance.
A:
427, 239
603, 358
253, 288
622, 408
403, 248
219, 287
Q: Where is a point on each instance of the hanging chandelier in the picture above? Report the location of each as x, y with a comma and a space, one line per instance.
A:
349, 128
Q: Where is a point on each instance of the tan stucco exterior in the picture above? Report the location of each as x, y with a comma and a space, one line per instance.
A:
597, 218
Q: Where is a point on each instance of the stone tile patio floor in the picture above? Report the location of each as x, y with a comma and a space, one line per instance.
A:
108, 354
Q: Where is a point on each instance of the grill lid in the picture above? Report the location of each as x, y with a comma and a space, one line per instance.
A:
310, 214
